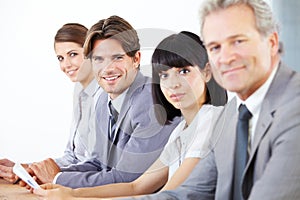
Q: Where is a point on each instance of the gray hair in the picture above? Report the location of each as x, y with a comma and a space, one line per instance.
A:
265, 21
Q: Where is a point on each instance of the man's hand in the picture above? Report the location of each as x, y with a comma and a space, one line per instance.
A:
51, 191
45, 170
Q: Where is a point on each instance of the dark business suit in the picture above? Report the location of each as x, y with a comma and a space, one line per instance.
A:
272, 171
138, 142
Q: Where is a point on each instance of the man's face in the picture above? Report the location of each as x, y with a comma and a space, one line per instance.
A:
114, 70
241, 58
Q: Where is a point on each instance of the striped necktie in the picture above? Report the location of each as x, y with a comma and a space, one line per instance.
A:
113, 118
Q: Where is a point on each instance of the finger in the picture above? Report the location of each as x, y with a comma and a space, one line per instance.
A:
25, 165
6, 162
11, 180
7, 175
39, 191
37, 180
5, 169
31, 169
22, 183
47, 186
27, 187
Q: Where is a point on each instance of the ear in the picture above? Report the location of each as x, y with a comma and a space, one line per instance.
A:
274, 43
137, 59
206, 72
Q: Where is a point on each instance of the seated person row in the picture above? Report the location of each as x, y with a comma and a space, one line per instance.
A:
182, 85
245, 59
128, 138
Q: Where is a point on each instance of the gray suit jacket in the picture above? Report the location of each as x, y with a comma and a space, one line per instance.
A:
138, 142
273, 167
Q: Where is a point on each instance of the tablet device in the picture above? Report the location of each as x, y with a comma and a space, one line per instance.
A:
20, 171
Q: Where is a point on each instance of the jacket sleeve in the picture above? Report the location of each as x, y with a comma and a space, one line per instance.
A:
140, 142
135, 155
90, 173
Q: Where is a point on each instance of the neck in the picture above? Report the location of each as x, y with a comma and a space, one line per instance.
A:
190, 113
87, 81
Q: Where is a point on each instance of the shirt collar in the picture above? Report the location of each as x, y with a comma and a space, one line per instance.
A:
92, 88
118, 102
254, 101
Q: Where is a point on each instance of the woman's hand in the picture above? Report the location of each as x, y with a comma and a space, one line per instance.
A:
51, 191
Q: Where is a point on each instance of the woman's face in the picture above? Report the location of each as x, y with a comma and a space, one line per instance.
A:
72, 62
184, 87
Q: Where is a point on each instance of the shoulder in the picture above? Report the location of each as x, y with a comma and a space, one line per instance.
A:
140, 90
209, 113
284, 91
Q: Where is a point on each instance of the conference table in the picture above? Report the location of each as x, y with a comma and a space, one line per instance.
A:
9, 191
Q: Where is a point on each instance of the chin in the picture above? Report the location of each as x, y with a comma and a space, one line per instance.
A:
177, 105
73, 79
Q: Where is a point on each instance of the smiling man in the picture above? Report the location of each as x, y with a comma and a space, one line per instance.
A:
129, 137
115, 70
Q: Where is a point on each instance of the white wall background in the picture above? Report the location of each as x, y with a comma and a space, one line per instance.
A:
36, 97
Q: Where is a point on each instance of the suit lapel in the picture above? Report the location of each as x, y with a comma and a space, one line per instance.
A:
271, 101
268, 108
138, 82
101, 126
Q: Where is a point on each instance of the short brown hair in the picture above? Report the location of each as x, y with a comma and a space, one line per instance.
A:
116, 28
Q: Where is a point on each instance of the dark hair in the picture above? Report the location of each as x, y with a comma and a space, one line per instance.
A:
116, 28
71, 32
181, 50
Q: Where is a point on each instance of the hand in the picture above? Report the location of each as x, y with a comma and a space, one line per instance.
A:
6, 170
24, 184
45, 170
52, 191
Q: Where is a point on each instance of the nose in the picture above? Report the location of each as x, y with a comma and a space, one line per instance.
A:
105, 66
66, 63
173, 81
227, 55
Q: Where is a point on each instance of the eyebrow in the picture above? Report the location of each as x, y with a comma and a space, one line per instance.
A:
68, 52
71, 51
118, 54
230, 38
112, 56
